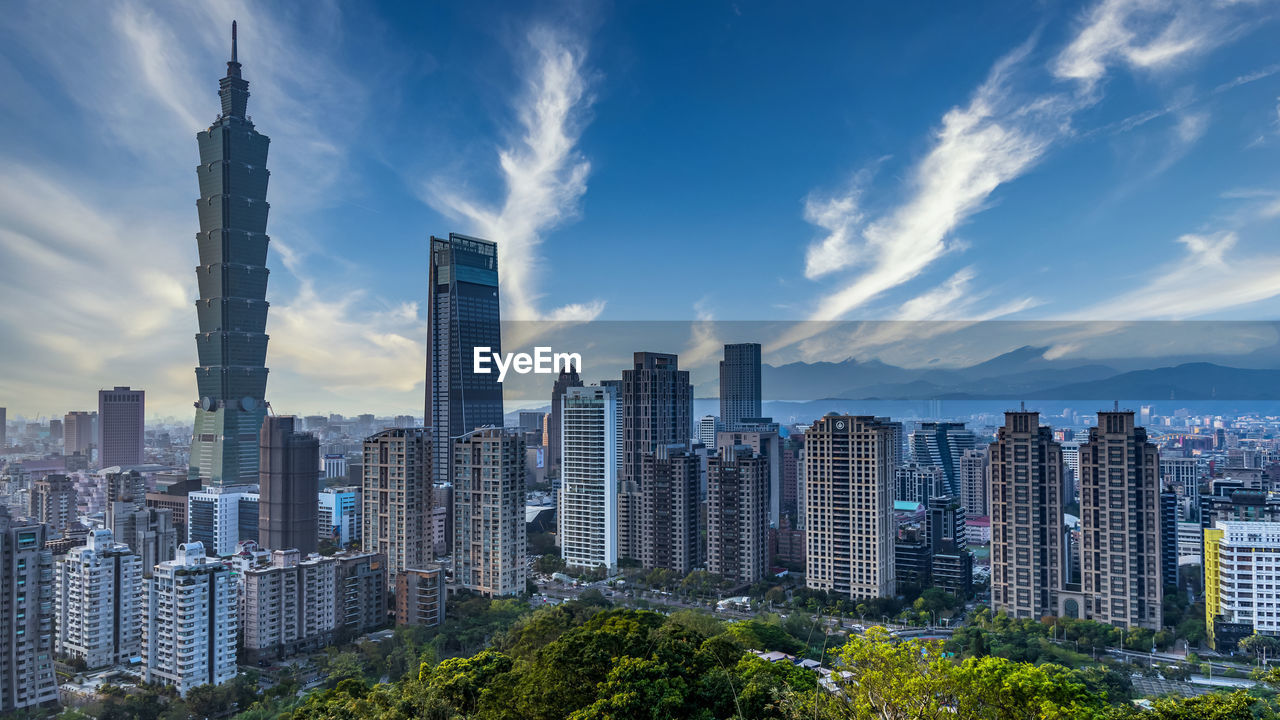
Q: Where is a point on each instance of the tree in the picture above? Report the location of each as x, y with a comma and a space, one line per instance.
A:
1260, 646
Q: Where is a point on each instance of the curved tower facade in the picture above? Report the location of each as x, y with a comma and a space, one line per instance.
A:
232, 309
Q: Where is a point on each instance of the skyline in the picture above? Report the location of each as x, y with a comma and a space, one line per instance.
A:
1115, 133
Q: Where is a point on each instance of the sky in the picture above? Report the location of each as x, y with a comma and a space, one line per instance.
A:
1107, 160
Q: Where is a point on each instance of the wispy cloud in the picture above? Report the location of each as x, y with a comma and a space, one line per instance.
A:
544, 173
998, 136
1208, 278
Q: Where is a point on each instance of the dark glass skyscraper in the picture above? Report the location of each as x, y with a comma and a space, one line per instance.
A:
463, 315
739, 384
232, 309
288, 487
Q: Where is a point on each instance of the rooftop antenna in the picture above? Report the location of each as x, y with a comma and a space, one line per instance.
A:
233, 41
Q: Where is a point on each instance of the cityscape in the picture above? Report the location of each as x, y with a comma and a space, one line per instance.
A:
968, 514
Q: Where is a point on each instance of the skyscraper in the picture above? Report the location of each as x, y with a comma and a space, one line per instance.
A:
568, 378
669, 536
973, 483
397, 498
739, 384
232, 310
121, 427
1120, 524
77, 432
53, 502
98, 595
27, 677
489, 536
218, 518
588, 515
941, 445
288, 486
191, 622
4, 428
462, 314
1026, 518
738, 514
848, 501
951, 564
657, 409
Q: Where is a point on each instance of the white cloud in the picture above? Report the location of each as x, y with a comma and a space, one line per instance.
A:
544, 173
1205, 280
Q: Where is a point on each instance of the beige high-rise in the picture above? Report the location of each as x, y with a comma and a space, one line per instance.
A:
1120, 528
1026, 518
488, 512
848, 487
396, 498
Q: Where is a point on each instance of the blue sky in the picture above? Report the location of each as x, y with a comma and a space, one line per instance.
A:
1114, 159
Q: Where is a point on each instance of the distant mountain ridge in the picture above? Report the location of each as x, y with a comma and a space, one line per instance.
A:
1021, 373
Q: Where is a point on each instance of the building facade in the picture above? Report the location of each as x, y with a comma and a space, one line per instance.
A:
657, 409
218, 518
738, 514
942, 445
462, 314
27, 678
420, 597
1120, 524
671, 510
848, 489
396, 498
1241, 581
53, 502
974, 482
121, 427
489, 534
360, 587
287, 606
78, 432
1027, 529
288, 485
587, 520
567, 379
98, 596
338, 515
231, 378
191, 622
739, 384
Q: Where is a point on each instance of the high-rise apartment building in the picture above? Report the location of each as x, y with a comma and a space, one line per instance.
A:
1027, 530
567, 379
218, 518
98, 596
361, 587
848, 502
121, 427
287, 606
231, 378
420, 597
941, 445
462, 314
587, 520
764, 437
397, 498
738, 514
951, 564
657, 408
288, 485
78, 433
149, 532
489, 534
27, 678
191, 622
671, 509
1120, 524
708, 427
917, 483
53, 502
1241, 581
973, 482
739, 384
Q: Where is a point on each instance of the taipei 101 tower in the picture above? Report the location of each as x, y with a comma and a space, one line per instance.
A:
232, 309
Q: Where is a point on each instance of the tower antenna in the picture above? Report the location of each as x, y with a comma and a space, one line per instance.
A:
233, 41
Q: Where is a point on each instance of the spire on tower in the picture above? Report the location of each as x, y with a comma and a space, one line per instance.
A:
233, 41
